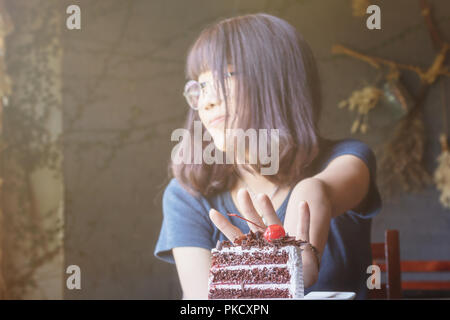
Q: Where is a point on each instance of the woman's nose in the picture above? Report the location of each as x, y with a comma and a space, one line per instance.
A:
211, 99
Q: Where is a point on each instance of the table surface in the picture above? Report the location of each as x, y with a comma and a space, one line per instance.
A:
330, 295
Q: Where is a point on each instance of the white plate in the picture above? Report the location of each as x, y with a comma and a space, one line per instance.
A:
314, 295
330, 295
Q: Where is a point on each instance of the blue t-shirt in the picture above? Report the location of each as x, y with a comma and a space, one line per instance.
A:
347, 253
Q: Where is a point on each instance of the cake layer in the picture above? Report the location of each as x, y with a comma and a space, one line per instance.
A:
263, 274
249, 258
252, 267
256, 266
248, 293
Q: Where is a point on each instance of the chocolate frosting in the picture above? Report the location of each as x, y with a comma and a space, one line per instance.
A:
256, 239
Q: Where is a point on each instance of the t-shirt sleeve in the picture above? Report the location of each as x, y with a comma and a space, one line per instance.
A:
185, 223
371, 205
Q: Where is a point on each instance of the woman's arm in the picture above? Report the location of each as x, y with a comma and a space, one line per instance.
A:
346, 180
341, 186
193, 265
314, 193
185, 233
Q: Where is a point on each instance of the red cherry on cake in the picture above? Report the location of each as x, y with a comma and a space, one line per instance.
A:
274, 231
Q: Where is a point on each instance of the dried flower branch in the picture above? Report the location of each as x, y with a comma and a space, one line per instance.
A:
363, 101
401, 167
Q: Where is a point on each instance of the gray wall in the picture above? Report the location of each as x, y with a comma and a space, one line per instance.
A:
123, 77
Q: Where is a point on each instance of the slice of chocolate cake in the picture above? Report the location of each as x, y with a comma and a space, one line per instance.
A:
253, 267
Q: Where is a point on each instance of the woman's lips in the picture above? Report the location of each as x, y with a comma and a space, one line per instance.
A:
216, 120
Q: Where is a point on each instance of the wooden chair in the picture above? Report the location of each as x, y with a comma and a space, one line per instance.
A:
426, 288
387, 256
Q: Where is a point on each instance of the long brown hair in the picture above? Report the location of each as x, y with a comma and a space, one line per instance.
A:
277, 87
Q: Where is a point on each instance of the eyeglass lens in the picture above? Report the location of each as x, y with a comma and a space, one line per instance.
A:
193, 90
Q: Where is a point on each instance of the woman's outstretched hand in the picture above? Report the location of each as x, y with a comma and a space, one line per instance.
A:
265, 207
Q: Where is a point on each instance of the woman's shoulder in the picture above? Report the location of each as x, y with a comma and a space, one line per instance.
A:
343, 144
177, 195
173, 186
331, 149
176, 189
185, 222
178, 192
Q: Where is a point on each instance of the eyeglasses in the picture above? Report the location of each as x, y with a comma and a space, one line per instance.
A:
193, 90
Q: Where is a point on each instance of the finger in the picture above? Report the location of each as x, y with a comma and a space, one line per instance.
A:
248, 210
303, 222
268, 211
224, 225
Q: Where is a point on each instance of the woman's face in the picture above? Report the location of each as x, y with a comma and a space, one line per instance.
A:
212, 108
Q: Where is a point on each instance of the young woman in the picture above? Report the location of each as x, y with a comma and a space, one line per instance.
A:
257, 72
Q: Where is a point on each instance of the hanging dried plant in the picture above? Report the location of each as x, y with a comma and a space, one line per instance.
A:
359, 7
363, 101
400, 161
442, 173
